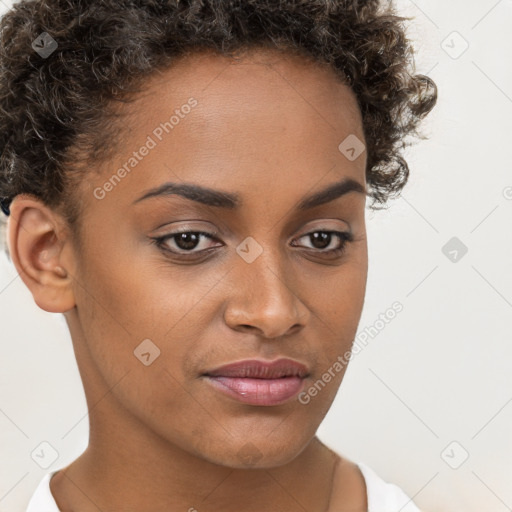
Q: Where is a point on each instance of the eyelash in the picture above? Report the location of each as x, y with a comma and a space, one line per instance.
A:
344, 237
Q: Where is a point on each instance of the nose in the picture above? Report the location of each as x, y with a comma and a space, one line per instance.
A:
265, 299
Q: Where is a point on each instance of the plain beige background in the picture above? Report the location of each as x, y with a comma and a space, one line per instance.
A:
426, 402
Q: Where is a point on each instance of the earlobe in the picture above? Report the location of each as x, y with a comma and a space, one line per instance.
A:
36, 243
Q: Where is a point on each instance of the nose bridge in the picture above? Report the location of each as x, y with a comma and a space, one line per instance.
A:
264, 295
268, 277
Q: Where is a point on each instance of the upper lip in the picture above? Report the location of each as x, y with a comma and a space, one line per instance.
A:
258, 369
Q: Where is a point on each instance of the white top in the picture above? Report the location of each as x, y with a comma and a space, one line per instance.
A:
382, 496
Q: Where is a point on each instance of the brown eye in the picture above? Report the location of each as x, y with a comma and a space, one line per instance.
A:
187, 241
322, 240
184, 242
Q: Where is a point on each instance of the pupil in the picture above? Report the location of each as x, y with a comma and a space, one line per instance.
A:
322, 238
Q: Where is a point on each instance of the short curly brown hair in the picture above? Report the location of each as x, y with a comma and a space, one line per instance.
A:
55, 115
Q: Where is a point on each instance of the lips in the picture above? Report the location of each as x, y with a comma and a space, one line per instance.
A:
259, 382
256, 369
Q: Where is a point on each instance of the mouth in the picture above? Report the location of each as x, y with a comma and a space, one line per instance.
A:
259, 382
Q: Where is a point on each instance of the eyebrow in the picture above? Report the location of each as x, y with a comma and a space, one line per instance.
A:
218, 198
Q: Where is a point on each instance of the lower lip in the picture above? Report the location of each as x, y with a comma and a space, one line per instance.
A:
258, 391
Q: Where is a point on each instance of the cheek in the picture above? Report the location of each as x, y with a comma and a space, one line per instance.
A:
131, 306
338, 307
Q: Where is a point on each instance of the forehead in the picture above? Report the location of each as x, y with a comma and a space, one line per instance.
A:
260, 83
264, 118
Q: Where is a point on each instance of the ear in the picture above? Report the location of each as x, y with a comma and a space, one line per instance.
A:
38, 244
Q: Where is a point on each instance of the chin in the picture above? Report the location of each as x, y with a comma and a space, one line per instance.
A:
255, 453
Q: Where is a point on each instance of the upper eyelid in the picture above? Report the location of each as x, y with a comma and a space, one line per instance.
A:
217, 233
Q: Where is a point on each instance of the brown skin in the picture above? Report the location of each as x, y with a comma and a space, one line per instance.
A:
160, 436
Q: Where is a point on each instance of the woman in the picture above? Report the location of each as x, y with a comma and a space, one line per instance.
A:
186, 182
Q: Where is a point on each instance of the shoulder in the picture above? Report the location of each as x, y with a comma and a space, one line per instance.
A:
359, 488
42, 499
385, 496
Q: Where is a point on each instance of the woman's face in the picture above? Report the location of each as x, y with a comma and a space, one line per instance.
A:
261, 135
